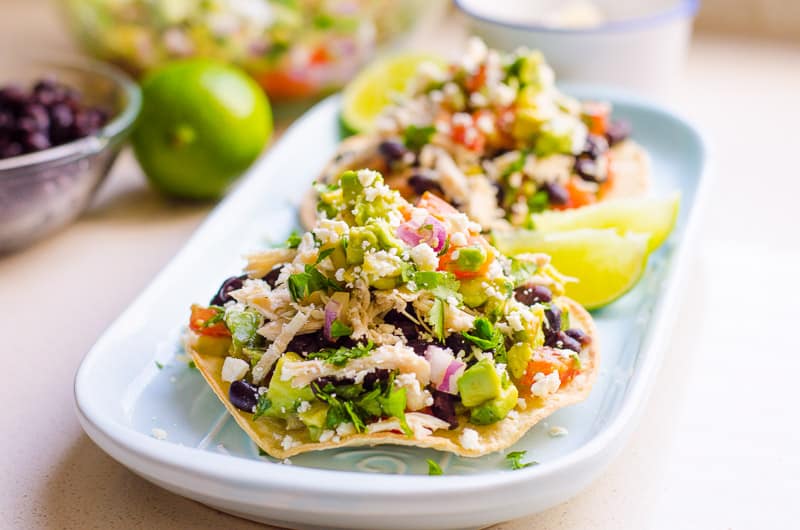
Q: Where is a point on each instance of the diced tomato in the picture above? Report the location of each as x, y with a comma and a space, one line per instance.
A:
546, 361
198, 322
450, 264
283, 85
596, 115
468, 135
436, 206
476, 81
577, 196
608, 184
319, 55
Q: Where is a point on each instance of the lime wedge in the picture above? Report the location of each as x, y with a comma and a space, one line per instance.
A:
646, 216
605, 263
367, 95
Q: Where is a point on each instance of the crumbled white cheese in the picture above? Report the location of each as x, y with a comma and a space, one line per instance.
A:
367, 176
303, 406
159, 434
344, 429
286, 462
382, 264
557, 431
522, 404
326, 435
469, 439
545, 385
458, 239
425, 257
515, 321
234, 369
307, 249
288, 442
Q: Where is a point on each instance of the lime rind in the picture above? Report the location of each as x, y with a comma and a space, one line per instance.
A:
654, 216
606, 264
373, 89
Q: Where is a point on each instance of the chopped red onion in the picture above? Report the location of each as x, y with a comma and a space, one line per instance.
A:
332, 309
431, 231
445, 369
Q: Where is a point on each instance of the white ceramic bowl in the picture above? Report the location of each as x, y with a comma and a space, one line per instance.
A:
640, 44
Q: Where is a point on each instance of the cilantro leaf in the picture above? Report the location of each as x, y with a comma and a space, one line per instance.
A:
487, 337
261, 452
324, 254
262, 406
514, 459
436, 319
192, 365
302, 284
159, 365
339, 329
521, 271
341, 356
293, 241
416, 137
433, 468
440, 284
538, 201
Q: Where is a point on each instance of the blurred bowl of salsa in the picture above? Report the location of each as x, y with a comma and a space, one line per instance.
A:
296, 49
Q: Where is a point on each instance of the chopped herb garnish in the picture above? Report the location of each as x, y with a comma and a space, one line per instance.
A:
440, 284
293, 240
262, 406
218, 316
514, 458
159, 365
436, 319
192, 366
339, 329
487, 337
433, 468
341, 356
445, 248
415, 138
302, 284
261, 452
324, 254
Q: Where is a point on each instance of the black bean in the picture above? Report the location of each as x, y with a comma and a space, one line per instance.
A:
272, 276
500, 192
618, 130
307, 343
231, 284
444, 407
556, 193
322, 381
533, 294
243, 395
553, 316
406, 325
579, 335
392, 151
419, 346
595, 146
563, 341
456, 342
420, 184
372, 379
588, 169
37, 141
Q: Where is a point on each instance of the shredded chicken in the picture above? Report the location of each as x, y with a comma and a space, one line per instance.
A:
421, 424
276, 349
260, 263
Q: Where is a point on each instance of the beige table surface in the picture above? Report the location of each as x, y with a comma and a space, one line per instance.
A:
717, 447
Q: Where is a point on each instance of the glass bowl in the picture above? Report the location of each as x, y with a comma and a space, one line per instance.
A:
296, 49
43, 191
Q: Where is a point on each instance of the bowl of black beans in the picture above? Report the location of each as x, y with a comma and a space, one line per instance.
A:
62, 125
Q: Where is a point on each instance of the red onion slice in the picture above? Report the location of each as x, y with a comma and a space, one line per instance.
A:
332, 309
453, 373
431, 231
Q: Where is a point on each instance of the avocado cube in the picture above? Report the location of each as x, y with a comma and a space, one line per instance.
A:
314, 418
282, 394
207, 345
496, 409
480, 383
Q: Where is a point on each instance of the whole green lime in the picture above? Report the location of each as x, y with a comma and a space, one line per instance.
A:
202, 124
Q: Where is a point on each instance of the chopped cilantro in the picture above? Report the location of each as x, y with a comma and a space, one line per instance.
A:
340, 356
514, 459
262, 406
445, 248
294, 240
192, 366
416, 137
440, 284
436, 319
159, 365
521, 271
311, 280
324, 254
433, 468
516, 165
261, 452
339, 329
487, 337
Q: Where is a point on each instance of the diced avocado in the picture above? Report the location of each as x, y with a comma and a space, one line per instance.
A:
528, 122
208, 345
284, 397
471, 258
383, 232
518, 357
534, 71
244, 325
473, 292
338, 256
356, 245
479, 383
314, 418
385, 283
351, 186
496, 409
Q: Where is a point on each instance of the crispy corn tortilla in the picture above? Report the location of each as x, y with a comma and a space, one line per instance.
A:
269, 433
630, 161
